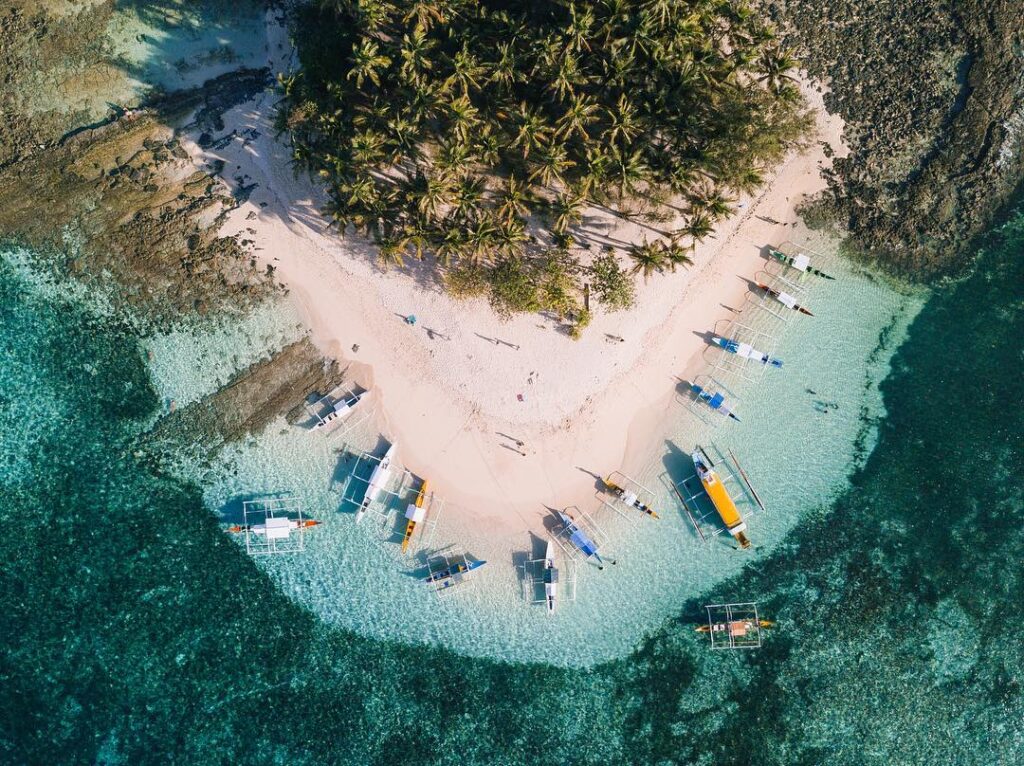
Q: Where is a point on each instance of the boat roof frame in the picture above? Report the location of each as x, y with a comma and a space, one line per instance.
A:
703, 515
533, 579
434, 506
609, 499
699, 407
438, 561
792, 249
381, 509
726, 364
589, 527
354, 420
256, 512
719, 614
762, 300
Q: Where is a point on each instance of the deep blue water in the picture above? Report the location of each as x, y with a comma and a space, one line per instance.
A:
133, 631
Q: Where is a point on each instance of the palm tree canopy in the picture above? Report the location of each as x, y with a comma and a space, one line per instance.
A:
494, 117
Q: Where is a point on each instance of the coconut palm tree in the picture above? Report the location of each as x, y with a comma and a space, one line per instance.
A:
515, 200
698, 228
775, 63
550, 166
417, 55
580, 114
532, 130
367, 62
677, 255
566, 211
647, 258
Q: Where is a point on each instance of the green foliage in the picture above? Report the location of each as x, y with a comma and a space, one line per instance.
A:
467, 281
611, 284
580, 322
513, 288
446, 127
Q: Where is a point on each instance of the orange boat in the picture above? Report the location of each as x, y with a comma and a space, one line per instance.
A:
734, 628
415, 513
720, 498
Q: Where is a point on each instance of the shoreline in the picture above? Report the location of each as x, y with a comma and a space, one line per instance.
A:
459, 389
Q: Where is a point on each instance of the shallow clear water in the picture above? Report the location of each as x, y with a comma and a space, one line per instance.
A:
135, 631
796, 452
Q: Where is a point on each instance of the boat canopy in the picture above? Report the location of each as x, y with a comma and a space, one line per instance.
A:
583, 542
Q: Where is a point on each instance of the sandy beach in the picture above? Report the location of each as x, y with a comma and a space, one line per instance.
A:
506, 419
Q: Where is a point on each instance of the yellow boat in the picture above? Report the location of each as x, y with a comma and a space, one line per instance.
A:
721, 499
415, 514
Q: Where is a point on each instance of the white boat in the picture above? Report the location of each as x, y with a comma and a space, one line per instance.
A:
340, 410
378, 480
550, 577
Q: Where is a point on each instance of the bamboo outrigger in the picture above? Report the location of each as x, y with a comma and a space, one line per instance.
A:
800, 262
713, 498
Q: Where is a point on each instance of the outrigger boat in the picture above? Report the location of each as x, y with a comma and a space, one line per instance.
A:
550, 577
448, 576
746, 351
799, 262
378, 479
735, 627
720, 497
340, 410
274, 528
415, 513
785, 299
715, 401
630, 498
580, 540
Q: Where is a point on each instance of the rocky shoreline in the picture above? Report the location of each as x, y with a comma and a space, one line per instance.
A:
932, 95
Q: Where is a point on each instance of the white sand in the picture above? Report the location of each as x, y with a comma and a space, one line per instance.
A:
445, 392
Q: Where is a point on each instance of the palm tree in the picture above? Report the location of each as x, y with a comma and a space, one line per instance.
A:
451, 246
775, 63
623, 125
647, 258
466, 70
367, 62
577, 34
567, 77
698, 228
416, 50
505, 71
677, 255
391, 252
430, 194
480, 239
532, 130
581, 113
566, 211
469, 196
464, 117
426, 13
628, 171
551, 164
515, 200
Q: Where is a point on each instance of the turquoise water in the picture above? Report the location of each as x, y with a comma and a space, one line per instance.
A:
134, 631
797, 456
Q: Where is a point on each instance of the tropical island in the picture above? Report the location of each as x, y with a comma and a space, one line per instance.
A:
479, 136
178, 289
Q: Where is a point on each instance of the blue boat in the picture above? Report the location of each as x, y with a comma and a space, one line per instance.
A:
746, 351
453, 574
580, 540
715, 401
